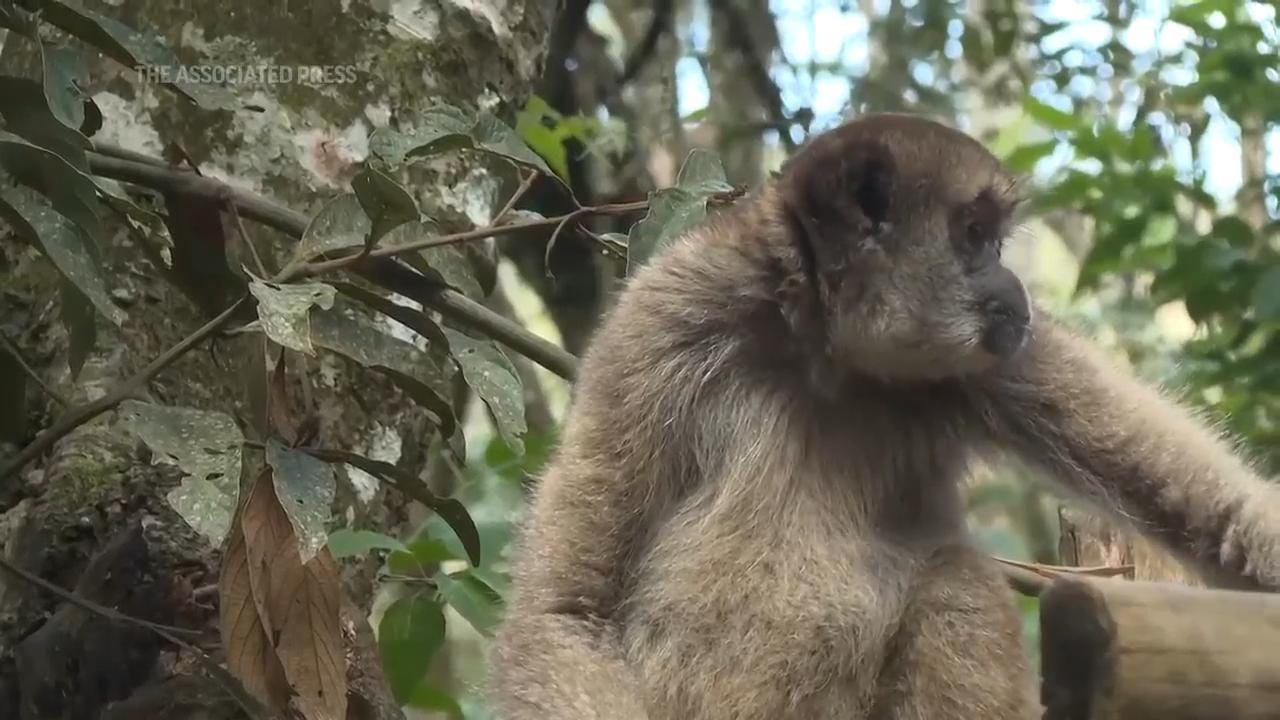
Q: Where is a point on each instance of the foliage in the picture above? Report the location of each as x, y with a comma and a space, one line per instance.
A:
1159, 235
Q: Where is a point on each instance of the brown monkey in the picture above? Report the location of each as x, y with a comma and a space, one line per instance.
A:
756, 509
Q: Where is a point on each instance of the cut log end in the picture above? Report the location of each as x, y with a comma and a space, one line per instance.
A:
1114, 649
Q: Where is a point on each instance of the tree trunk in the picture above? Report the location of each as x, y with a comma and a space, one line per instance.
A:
93, 514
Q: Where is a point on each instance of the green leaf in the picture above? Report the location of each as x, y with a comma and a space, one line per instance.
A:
676, 210
501, 460
489, 372
411, 631
450, 511
71, 251
132, 49
58, 173
1024, 158
445, 264
672, 212
1235, 231
421, 557
495, 137
1049, 116
448, 128
386, 203
63, 70
702, 174
412, 318
81, 322
206, 446
418, 373
285, 311
474, 600
448, 265
346, 543
30, 113
426, 697
1266, 295
493, 535
306, 487
438, 128
540, 126
340, 224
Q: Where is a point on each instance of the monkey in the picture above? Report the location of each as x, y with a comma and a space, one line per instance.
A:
755, 510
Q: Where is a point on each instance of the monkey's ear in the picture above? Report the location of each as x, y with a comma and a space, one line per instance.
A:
841, 194
836, 199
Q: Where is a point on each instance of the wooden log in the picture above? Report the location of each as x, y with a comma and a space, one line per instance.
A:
1127, 650
1085, 540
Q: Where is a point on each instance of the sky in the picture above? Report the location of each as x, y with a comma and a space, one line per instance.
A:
819, 31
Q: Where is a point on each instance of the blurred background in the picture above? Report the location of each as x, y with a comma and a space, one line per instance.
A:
1149, 134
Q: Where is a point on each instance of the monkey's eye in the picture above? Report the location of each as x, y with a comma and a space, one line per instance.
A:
982, 224
978, 233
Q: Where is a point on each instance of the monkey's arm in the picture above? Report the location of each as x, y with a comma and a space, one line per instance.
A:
559, 653
1065, 406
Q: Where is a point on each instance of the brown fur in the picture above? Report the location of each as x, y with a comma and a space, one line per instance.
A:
755, 512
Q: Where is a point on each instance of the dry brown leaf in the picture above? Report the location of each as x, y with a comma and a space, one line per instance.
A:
266, 529
250, 657
310, 644
298, 605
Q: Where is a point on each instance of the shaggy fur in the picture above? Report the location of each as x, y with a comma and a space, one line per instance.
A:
756, 513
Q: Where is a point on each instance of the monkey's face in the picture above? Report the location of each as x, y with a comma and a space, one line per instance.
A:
900, 223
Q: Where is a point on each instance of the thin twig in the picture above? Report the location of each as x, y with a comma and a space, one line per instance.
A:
1024, 581
244, 237
89, 605
220, 675
1052, 571
526, 182
81, 414
22, 362
551, 241
558, 222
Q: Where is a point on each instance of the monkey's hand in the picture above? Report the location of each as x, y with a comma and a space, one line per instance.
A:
1065, 406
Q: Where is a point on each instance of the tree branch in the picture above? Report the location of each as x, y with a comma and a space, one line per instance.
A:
756, 68
173, 634
378, 266
22, 362
81, 414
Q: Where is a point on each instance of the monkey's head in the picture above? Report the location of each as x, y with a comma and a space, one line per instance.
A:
899, 222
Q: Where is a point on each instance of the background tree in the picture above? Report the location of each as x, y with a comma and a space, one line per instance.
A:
291, 299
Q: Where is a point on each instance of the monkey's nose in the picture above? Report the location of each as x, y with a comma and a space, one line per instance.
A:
1005, 334
1005, 328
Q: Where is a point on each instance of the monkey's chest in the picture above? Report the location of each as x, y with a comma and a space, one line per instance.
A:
773, 615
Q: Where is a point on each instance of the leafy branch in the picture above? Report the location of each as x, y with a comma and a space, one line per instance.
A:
378, 265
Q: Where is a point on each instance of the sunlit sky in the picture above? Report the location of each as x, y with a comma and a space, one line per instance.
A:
820, 32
